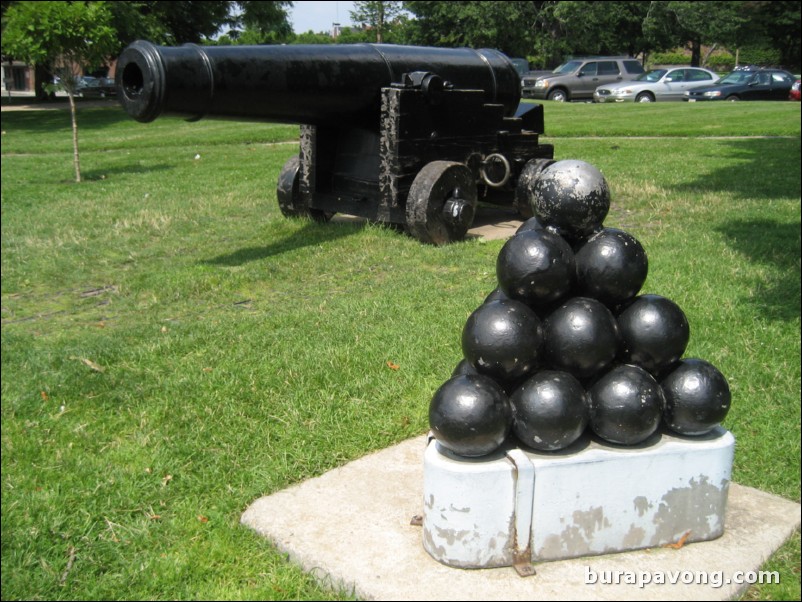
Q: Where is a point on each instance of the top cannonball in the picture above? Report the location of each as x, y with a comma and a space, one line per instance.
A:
572, 196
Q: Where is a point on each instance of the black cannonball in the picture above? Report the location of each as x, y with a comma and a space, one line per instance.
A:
549, 411
531, 224
697, 397
502, 340
536, 267
654, 332
470, 415
611, 266
580, 337
496, 295
464, 367
572, 196
534, 224
626, 405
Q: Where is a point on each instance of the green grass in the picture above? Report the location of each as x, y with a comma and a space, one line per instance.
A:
173, 348
671, 119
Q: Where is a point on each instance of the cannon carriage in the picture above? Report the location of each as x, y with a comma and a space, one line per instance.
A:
410, 136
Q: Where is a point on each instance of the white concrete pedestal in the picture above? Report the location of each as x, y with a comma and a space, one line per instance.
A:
519, 506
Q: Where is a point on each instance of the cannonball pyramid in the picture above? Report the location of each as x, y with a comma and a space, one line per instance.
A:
566, 342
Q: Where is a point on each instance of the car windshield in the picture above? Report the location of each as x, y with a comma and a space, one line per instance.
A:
736, 77
651, 76
568, 67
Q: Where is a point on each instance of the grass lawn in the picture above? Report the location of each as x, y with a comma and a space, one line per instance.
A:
173, 348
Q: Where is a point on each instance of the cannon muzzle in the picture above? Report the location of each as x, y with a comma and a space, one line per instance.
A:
304, 84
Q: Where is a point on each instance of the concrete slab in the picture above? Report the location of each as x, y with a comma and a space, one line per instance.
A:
494, 224
491, 223
351, 528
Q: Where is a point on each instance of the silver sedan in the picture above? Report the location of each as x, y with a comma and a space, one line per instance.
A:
657, 84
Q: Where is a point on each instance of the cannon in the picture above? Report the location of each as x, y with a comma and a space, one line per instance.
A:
404, 135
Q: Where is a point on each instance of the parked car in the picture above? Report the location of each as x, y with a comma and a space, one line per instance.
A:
657, 84
577, 79
83, 82
794, 94
96, 87
746, 83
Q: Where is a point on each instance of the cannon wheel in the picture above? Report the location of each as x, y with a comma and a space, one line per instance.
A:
526, 183
288, 192
441, 203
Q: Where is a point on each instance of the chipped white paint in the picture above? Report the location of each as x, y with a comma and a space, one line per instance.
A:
587, 500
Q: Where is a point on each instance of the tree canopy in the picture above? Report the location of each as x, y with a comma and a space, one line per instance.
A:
546, 32
66, 36
377, 15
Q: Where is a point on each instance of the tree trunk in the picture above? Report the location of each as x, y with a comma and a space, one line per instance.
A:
696, 53
41, 77
710, 51
75, 159
380, 24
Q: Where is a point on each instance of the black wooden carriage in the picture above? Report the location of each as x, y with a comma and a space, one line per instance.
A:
397, 134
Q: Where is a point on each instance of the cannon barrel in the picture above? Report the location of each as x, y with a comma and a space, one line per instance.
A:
305, 84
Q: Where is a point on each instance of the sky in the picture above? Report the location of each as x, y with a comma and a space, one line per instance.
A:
318, 16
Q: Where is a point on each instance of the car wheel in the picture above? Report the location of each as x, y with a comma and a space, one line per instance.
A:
644, 97
733, 98
558, 95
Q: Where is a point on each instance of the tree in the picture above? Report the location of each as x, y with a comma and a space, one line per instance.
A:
67, 35
604, 28
175, 22
311, 37
507, 26
672, 24
261, 23
775, 25
377, 15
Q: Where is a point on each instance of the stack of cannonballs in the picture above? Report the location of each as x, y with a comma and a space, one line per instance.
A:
565, 342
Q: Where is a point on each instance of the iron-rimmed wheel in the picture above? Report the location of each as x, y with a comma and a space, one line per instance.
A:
644, 97
288, 192
558, 95
441, 203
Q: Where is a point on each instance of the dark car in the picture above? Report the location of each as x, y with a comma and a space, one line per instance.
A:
746, 83
96, 87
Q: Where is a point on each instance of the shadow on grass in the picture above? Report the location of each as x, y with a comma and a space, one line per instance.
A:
314, 233
105, 174
47, 122
311, 234
775, 245
760, 168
